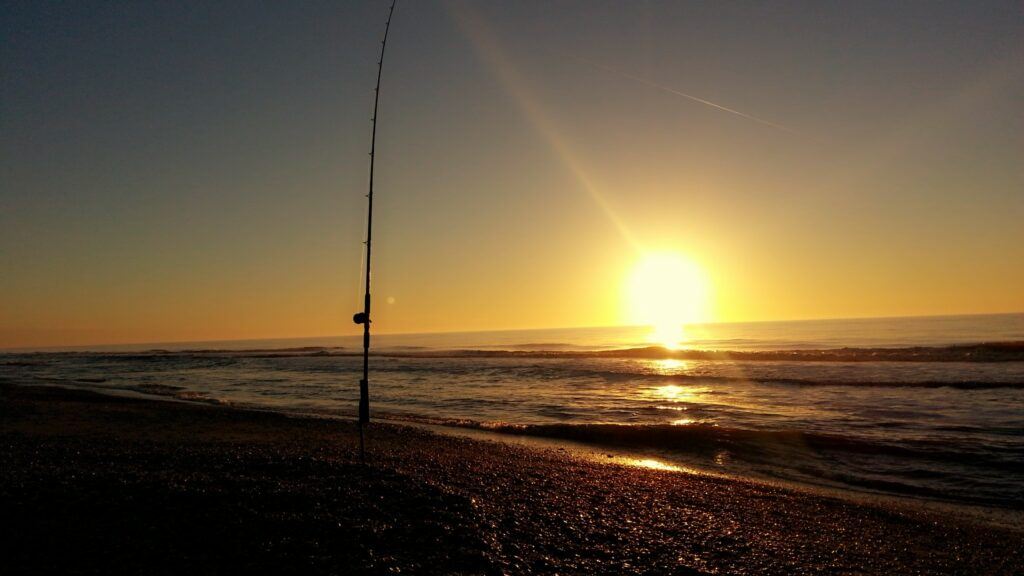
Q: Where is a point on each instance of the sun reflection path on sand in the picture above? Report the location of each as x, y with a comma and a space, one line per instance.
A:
655, 464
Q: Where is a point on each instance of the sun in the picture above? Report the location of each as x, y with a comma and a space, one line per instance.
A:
666, 291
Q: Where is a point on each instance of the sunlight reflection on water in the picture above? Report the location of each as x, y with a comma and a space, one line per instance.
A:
670, 366
862, 423
677, 393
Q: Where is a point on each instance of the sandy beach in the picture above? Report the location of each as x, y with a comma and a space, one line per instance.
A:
100, 484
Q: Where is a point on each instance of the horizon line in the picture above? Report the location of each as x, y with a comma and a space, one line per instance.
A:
16, 349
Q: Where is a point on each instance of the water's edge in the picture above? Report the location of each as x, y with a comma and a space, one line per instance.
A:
610, 454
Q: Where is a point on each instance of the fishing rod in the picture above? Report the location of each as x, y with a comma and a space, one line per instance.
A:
364, 316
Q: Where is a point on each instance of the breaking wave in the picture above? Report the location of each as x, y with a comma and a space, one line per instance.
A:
980, 352
940, 470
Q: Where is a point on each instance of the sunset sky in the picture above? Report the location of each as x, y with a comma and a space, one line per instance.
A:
199, 173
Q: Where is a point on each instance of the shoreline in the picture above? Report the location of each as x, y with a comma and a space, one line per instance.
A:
674, 462
605, 453
95, 483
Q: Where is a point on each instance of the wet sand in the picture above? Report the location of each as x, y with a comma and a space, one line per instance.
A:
108, 485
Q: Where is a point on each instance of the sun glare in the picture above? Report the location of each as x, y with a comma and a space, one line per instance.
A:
666, 291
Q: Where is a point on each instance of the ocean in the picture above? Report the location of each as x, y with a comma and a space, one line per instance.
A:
927, 408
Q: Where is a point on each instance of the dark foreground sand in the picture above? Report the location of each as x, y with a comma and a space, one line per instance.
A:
94, 484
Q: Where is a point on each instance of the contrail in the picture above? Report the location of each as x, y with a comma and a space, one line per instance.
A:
664, 88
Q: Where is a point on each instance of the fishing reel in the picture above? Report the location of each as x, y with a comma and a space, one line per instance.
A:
361, 318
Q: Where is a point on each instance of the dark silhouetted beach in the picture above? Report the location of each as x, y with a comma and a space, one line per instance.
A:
101, 484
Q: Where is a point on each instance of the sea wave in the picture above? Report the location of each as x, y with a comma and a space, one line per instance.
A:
931, 469
703, 437
976, 352
981, 352
104, 385
967, 384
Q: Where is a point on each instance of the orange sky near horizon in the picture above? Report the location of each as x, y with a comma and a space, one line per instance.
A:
518, 186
